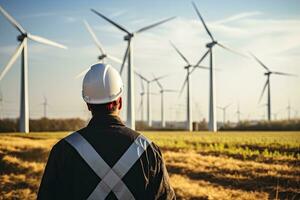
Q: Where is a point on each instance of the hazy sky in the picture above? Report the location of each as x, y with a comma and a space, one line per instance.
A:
269, 29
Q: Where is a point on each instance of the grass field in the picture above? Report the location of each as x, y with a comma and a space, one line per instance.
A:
248, 165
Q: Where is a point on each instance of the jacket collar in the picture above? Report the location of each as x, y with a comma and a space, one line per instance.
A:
105, 121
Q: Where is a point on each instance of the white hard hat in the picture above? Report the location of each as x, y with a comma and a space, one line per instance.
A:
101, 84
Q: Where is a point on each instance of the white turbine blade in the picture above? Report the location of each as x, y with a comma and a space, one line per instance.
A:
158, 83
263, 91
97, 42
261, 63
12, 20
110, 21
141, 76
181, 55
183, 85
202, 67
227, 105
202, 58
45, 41
154, 25
231, 50
124, 58
114, 59
142, 86
12, 60
169, 90
284, 74
202, 20
82, 73
160, 77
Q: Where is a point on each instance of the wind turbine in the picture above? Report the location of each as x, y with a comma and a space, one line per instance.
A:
268, 74
22, 49
289, 108
187, 82
148, 81
142, 94
128, 55
224, 111
212, 125
238, 112
103, 53
162, 92
45, 104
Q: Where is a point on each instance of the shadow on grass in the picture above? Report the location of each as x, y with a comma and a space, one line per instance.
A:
289, 188
32, 155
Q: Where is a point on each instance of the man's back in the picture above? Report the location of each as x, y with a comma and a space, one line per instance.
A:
68, 176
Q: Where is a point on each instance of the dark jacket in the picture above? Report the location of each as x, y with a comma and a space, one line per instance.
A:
67, 175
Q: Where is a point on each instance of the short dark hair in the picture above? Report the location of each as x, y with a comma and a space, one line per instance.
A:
106, 108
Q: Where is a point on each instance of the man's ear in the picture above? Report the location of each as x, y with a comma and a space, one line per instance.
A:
88, 105
120, 102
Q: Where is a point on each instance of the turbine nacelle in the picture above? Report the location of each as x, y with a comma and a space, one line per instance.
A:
267, 73
101, 57
21, 37
128, 37
211, 44
188, 66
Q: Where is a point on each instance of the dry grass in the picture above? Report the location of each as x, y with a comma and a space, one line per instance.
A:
201, 165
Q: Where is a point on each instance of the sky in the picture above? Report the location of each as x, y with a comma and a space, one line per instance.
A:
269, 29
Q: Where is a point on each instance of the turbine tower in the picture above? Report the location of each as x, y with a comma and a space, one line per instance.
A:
103, 53
189, 125
142, 94
162, 92
289, 108
268, 74
148, 81
224, 112
45, 104
238, 112
128, 55
212, 125
22, 49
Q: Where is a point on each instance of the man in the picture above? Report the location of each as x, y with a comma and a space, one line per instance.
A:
105, 160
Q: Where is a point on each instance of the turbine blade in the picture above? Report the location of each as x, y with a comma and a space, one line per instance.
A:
198, 66
284, 74
182, 87
97, 42
263, 91
142, 86
227, 105
114, 59
181, 55
202, 58
158, 83
110, 21
12, 60
82, 73
169, 90
45, 41
231, 50
261, 63
199, 15
12, 20
124, 59
160, 77
154, 25
141, 76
